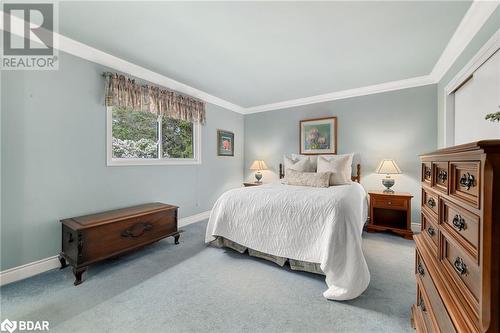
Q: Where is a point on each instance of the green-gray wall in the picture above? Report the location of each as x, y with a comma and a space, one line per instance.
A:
399, 125
484, 34
53, 160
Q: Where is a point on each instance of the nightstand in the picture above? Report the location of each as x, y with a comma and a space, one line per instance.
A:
247, 184
390, 212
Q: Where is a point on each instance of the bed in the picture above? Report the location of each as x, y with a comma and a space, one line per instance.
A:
313, 229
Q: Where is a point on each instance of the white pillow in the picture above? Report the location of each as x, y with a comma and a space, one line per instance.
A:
303, 165
313, 179
313, 159
342, 156
340, 166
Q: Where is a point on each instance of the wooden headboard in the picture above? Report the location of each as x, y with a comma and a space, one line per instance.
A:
355, 178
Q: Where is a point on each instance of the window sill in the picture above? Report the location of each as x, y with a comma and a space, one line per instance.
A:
132, 162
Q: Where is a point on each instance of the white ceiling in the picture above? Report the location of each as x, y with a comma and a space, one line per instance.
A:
254, 53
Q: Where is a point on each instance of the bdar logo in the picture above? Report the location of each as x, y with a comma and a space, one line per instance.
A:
8, 325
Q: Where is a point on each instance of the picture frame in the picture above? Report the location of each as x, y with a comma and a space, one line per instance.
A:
225, 143
318, 136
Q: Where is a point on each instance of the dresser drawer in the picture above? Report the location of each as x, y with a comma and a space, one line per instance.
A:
462, 269
433, 303
430, 232
421, 317
440, 177
117, 237
390, 202
462, 225
426, 176
430, 202
466, 182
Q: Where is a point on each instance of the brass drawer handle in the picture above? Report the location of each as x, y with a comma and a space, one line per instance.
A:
137, 230
443, 176
389, 202
420, 269
431, 231
459, 222
467, 180
460, 266
431, 202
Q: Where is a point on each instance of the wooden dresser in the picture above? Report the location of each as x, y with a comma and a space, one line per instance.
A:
92, 238
457, 264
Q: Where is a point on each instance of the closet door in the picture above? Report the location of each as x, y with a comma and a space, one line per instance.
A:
476, 98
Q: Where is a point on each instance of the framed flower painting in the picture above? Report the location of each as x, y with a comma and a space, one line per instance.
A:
318, 136
225, 143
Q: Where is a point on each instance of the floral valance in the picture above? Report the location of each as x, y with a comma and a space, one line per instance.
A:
125, 92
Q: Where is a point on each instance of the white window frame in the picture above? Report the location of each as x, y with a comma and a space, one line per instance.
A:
110, 161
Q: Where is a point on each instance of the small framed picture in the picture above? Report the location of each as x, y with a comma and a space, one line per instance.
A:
318, 136
225, 143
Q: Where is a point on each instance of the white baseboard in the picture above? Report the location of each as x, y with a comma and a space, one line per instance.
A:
25, 271
194, 218
33, 268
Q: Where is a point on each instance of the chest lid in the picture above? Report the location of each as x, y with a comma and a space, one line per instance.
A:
86, 221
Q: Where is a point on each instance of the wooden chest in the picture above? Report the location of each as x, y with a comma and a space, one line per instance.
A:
91, 238
457, 264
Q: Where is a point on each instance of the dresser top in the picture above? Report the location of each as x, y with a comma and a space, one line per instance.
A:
493, 145
118, 214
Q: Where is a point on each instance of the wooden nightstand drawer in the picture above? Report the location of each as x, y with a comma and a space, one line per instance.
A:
248, 184
390, 202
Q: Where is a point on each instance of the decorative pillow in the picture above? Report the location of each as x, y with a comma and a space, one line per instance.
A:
303, 165
313, 179
340, 167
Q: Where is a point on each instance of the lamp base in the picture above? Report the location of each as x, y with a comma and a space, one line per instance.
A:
258, 176
388, 183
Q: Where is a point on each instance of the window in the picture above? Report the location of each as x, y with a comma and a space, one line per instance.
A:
142, 138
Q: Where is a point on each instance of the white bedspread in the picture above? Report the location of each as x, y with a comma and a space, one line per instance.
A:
321, 225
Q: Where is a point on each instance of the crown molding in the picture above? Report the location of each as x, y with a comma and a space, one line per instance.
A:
89, 53
356, 92
84, 51
475, 17
473, 20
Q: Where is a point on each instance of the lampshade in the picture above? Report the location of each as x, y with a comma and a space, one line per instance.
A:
258, 165
388, 167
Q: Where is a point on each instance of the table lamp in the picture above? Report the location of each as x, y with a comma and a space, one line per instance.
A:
388, 167
258, 165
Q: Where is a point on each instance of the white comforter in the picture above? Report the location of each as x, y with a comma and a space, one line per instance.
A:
321, 225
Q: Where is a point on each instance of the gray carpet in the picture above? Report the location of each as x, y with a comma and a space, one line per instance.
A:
194, 288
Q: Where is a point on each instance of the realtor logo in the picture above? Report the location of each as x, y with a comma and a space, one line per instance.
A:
24, 325
28, 36
8, 325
